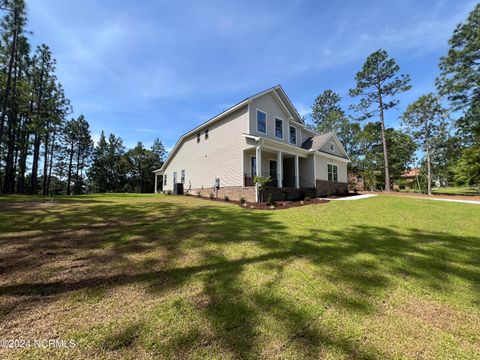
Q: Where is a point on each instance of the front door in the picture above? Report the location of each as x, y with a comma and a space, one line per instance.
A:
273, 169
253, 166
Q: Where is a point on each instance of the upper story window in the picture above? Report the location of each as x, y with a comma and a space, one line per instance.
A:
164, 179
279, 128
206, 134
293, 135
175, 177
261, 122
332, 172
332, 146
182, 177
198, 137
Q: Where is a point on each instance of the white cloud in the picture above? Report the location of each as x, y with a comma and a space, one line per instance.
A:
302, 109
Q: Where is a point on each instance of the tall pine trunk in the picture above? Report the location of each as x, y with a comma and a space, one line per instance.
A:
36, 156
77, 176
9, 73
22, 167
45, 162
22, 162
51, 162
384, 142
429, 171
37, 142
69, 175
12, 125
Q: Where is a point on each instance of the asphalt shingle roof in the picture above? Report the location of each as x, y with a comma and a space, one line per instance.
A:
315, 142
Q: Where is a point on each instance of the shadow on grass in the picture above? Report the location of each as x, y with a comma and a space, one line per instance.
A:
365, 260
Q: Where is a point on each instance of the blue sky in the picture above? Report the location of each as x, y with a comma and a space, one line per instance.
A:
146, 69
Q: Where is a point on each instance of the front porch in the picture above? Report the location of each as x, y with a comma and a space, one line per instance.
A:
285, 169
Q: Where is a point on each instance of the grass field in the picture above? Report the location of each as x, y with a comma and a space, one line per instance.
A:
152, 276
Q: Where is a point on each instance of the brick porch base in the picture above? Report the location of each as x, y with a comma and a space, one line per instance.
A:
325, 188
233, 192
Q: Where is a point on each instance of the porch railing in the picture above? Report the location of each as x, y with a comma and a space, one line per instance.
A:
248, 179
287, 181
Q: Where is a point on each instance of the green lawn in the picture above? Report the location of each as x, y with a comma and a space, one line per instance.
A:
456, 191
153, 276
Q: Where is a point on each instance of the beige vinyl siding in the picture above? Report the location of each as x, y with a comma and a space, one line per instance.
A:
336, 150
221, 156
322, 168
306, 171
271, 106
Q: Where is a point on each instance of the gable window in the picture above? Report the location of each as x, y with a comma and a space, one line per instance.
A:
332, 147
165, 180
261, 122
279, 128
293, 135
332, 172
182, 177
206, 134
175, 177
198, 137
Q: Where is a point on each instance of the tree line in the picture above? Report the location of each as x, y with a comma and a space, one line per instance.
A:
42, 151
450, 146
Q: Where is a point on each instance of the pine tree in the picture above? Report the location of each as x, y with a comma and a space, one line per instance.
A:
328, 115
43, 86
377, 83
425, 119
460, 68
98, 172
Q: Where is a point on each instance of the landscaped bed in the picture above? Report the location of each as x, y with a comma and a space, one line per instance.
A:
162, 277
282, 205
270, 205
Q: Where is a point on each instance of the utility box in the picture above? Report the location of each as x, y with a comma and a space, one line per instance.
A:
178, 189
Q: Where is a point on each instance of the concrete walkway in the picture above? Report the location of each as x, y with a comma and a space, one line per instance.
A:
355, 197
476, 202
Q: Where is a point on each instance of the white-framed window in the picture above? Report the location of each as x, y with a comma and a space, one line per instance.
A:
278, 128
206, 134
175, 177
164, 179
182, 177
261, 122
253, 166
332, 146
332, 172
198, 137
293, 135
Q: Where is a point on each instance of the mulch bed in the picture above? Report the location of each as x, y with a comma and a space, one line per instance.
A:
279, 205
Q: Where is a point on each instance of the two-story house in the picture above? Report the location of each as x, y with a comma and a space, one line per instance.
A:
262, 135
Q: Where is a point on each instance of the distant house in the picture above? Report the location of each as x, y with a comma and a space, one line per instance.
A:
410, 178
410, 175
262, 135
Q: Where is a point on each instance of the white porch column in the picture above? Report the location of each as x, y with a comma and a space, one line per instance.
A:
156, 178
279, 169
259, 161
297, 173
